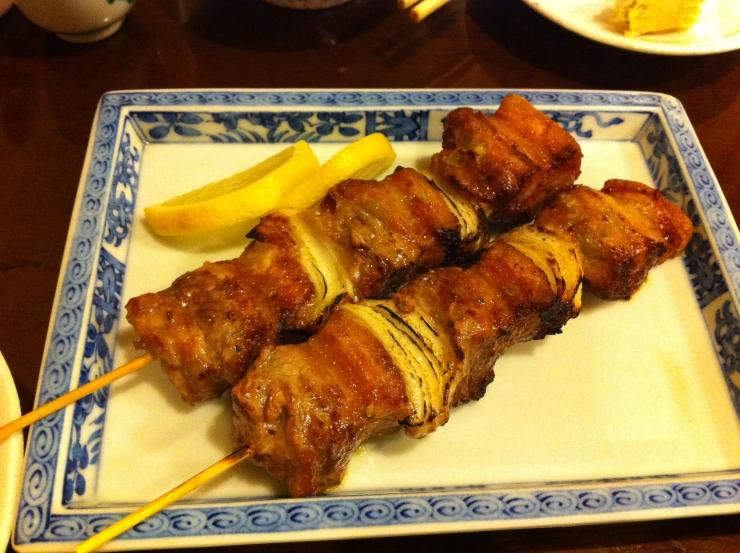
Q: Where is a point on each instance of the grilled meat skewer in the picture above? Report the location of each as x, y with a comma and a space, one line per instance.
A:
365, 239
380, 364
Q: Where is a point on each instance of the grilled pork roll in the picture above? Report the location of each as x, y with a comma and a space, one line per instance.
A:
406, 361
512, 163
365, 239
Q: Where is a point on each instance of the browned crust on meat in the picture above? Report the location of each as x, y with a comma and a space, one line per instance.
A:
652, 210
513, 162
623, 231
212, 323
485, 309
207, 330
385, 232
304, 409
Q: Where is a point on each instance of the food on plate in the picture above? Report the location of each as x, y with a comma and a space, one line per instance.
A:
290, 180
406, 361
365, 159
364, 239
641, 17
511, 164
622, 244
246, 195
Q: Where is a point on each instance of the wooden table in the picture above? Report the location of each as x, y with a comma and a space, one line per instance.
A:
49, 90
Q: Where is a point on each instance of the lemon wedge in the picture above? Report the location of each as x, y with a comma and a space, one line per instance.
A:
364, 159
246, 195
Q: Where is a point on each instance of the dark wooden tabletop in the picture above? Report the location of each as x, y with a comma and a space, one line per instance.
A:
49, 90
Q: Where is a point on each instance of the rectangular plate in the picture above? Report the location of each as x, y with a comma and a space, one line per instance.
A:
630, 414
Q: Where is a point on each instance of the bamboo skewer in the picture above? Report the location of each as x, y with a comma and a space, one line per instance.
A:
78, 393
163, 501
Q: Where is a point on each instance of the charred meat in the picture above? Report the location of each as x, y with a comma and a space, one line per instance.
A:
511, 163
623, 232
407, 361
365, 239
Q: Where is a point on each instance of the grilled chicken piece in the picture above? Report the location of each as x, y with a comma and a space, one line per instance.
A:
623, 232
512, 163
365, 239
406, 361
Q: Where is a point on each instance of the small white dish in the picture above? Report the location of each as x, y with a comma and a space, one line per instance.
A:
718, 28
75, 21
11, 454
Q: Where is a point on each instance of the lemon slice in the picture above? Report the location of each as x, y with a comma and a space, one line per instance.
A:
246, 195
364, 159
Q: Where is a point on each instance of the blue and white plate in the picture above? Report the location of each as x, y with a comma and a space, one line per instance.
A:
630, 414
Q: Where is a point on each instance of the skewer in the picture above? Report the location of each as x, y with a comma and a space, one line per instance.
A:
72, 396
426, 8
560, 285
163, 501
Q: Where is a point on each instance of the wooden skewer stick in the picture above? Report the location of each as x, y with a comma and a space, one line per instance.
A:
425, 8
68, 398
403, 4
162, 502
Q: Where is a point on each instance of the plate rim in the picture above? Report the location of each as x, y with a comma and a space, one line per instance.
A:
428, 98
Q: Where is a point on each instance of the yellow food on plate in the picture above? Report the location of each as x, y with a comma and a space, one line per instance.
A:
246, 195
640, 17
364, 159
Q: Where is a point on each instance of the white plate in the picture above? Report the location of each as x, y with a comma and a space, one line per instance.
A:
630, 414
718, 29
11, 454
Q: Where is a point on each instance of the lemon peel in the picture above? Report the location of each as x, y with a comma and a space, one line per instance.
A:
364, 159
245, 195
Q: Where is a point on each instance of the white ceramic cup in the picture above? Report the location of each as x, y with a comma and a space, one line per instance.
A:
307, 4
77, 20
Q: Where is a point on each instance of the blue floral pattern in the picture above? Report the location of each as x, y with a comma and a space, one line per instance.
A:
252, 127
399, 125
576, 122
182, 124
291, 126
123, 194
665, 170
727, 337
97, 360
99, 246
